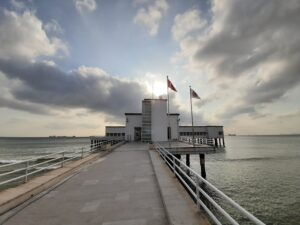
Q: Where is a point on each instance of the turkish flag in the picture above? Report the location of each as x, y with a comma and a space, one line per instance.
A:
194, 94
171, 86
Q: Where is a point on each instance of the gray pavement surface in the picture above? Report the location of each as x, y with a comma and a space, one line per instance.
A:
120, 188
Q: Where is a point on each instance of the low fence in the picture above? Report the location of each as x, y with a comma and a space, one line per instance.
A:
199, 194
14, 173
198, 140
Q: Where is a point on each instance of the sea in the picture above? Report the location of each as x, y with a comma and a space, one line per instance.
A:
261, 173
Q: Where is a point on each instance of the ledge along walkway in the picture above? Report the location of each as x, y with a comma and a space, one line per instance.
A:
118, 189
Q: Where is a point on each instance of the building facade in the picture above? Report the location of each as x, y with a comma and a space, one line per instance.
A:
154, 124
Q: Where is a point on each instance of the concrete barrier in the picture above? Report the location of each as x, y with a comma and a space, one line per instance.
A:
12, 197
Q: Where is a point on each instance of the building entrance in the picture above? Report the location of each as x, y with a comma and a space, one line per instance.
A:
137, 133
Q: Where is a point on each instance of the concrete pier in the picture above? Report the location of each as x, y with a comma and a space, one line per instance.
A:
120, 188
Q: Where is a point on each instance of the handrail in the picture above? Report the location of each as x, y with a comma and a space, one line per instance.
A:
177, 165
50, 160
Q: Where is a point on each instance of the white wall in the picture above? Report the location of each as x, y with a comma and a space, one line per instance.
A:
132, 121
115, 129
213, 132
189, 129
174, 127
159, 120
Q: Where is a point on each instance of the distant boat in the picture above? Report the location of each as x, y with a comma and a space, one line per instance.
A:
231, 134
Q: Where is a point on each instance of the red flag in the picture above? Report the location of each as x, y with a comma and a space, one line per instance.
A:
194, 94
171, 86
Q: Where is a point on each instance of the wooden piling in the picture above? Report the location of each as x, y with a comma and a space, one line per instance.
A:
202, 165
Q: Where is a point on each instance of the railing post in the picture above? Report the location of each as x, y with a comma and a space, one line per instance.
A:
63, 159
198, 192
26, 171
82, 153
174, 167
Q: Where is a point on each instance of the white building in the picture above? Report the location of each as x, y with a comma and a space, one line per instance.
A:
154, 124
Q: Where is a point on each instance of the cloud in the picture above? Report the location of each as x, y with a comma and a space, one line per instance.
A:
85, 5
151, 16
85, 87
22, 36
186, 23
18, 5
255, 40
24, 106
53, 27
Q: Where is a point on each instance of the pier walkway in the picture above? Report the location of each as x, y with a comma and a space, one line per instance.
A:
120, 188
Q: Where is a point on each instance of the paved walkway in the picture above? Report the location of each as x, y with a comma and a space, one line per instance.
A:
118, 189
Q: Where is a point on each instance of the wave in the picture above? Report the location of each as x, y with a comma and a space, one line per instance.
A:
9, 161
260, 159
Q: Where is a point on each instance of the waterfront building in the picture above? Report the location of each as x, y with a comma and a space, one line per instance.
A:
154, 124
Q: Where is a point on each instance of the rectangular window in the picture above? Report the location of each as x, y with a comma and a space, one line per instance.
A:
169, 133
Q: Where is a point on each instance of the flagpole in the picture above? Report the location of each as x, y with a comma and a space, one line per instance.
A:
168, 111
168, 94
192, 117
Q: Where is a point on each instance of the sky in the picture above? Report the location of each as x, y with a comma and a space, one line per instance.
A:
73, 67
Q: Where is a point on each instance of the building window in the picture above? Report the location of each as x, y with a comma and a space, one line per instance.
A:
169, 133
220, 132
123, 134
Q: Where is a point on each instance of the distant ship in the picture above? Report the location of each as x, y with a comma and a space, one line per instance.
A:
231, 134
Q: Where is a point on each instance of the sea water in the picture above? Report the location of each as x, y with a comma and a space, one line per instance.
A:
261, 173
16, 149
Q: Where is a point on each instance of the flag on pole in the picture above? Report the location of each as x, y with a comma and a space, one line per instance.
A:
194, 94
171, 86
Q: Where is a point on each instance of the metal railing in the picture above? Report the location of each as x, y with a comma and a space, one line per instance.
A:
184, 173
198, 140
22, 170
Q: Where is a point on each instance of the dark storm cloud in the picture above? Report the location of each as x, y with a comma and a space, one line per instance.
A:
83, 88
273, 89
251, 33
253, 38
233, 111
31, 108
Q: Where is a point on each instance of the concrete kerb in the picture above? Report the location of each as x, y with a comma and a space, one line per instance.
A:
12, 197
179, 207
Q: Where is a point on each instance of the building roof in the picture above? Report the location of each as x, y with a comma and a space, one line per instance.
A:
136, 114
203, 126
115, 126
155, 99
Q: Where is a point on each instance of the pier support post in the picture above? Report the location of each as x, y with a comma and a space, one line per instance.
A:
187, 159
202, 165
